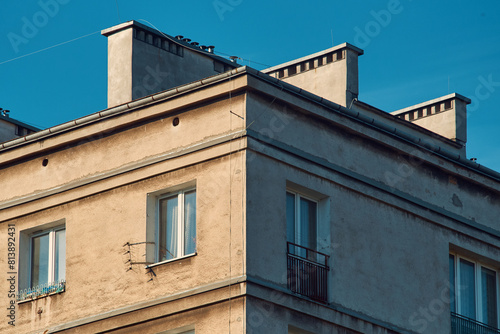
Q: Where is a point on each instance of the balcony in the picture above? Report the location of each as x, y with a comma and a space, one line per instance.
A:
464, 325
307, 272
41, 290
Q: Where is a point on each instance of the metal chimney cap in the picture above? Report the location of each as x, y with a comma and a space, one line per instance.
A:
186, 40
195, 43
179, 37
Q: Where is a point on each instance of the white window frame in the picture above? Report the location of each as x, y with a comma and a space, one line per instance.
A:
297, 221
180, 224
52, 255
477, 288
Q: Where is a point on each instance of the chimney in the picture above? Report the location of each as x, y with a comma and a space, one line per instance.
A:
144, 61
331, 74
446, 116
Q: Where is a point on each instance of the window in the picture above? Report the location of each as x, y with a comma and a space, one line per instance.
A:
48, 257
20, 131
474, 290
176, 225
42, 262
301, 220
307, 268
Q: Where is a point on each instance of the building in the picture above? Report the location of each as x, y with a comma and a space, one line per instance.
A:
215, 198
11, 128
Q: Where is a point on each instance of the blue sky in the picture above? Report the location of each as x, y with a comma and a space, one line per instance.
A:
415, 50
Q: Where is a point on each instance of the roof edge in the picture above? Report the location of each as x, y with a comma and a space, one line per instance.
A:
457, 158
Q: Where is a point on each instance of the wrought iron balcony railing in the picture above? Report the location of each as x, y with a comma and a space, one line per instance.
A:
41, 290
464, 325
307, 272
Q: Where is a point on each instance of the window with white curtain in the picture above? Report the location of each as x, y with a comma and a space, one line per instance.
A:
474, 290
48, 257
301, 221
42, 260
176, 225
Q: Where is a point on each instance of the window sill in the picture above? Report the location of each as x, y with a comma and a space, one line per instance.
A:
171, 260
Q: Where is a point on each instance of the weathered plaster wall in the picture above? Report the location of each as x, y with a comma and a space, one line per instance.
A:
407, 170
381, 237
120, 68
101, 147
102, 216
98, 226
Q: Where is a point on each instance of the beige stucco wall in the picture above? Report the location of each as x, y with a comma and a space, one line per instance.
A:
382, 235
380, 249
120, 67
101, 216
98, 226
408, 170
383, 225
100, 147
451, 123
331, 74
328, 81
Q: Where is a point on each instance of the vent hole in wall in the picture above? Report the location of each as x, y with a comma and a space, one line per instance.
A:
175, 122
45, 162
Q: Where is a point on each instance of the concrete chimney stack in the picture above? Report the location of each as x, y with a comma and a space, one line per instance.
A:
143, 61
446, 116
332, 73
